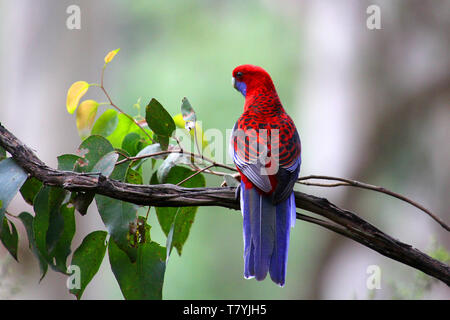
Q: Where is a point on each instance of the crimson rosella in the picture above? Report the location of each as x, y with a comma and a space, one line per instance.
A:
265, 148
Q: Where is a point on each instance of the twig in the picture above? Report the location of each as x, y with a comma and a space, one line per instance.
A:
118, 109
215, 164
178, 142
122, 154
194, 174
354, 183
159, 153
314, 184
148, 211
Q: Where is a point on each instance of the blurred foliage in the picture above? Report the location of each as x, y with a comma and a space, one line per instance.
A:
197, 44
422, 283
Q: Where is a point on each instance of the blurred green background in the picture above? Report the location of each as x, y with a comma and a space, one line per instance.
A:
369, 104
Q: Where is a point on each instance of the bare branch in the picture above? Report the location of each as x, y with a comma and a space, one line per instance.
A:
362, 185
194, 174
191, 154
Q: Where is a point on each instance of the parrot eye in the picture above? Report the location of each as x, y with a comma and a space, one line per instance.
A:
239, 75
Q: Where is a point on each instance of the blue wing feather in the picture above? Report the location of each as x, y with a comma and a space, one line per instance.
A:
252, 170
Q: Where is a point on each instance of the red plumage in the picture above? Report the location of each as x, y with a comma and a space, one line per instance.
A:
263, 111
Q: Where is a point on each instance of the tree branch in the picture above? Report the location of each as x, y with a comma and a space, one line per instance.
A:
354, 183
341, 221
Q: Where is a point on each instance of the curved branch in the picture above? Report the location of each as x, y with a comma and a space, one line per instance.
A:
362, 185
341, 221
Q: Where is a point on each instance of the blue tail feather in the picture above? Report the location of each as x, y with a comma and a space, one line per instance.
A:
284, 222
249, 270
266, 235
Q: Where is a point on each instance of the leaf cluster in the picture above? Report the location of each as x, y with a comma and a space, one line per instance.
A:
110, 144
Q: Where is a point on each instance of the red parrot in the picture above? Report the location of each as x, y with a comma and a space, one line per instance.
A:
265, 147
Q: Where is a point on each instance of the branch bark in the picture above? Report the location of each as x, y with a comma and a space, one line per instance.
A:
340, 221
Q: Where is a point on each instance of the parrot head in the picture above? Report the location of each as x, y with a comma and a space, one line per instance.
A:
247, 78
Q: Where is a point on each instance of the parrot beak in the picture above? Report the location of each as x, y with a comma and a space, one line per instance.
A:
233, 82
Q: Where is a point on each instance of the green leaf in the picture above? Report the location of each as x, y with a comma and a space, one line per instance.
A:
124, 127
148, 150
12, 177
93, 160
139, 231
190, 122
106, 164
9, 237
106, 123
187, 111
2, 153
62, 248
82, 201
133, 177
171, 161
142, 279
88, 257
66, 162
55, 219
185, 217
163, 142
197, 132
158, 119
91, 151
27, 220
48, 223
169, 242
30, 188
120, 171
132, 143
52, 228
117, 216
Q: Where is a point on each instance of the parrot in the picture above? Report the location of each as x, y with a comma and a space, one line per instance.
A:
266, 149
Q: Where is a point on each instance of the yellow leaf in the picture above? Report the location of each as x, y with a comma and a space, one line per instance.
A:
76, 91
86, 113
180, 123
111, 55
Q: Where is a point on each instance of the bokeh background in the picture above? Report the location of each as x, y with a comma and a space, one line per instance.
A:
371, 105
